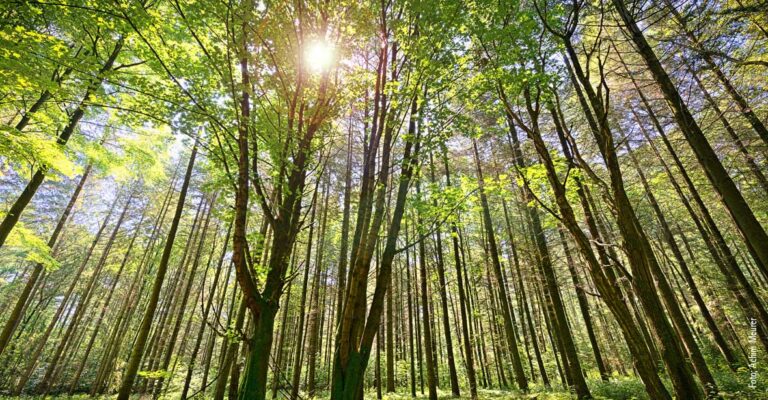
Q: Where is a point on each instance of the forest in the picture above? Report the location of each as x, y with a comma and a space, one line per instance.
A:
384, 199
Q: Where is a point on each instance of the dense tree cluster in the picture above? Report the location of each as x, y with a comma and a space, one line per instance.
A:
336, 199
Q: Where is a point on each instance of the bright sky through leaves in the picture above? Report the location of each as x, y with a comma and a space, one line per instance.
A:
319, 56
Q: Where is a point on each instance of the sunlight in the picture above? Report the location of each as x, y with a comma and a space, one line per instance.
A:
319, 56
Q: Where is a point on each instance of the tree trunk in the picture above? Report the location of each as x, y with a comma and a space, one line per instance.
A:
517, 365
16, 314
452, 374
463, 306
131, 370
425, 314
753, 233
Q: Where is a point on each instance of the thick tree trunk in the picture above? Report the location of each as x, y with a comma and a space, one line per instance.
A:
669, 238
636, 245
352, 355
607, 287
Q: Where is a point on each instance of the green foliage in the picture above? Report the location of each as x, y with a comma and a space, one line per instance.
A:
24, 244
36, 149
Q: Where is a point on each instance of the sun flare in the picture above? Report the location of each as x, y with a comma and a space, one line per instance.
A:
319, 56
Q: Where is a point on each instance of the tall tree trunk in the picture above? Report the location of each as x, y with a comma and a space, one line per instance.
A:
669, 238
84, 302
206, 311
228, 362
463, 306
351, 359
62, 306
581, 297
16, 313
314, 317
744, 108
106, 304
605, 285
552, 292
724, 258
753, 233
517, 365
131, 370
425, 313
299, 339
636, 244
185, 298
452, 374
748, 157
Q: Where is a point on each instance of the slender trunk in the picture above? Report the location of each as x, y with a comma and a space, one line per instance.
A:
552, 292
16, 313
185, 298
62, 306
605, 285
228, 363
131, 370
351, 360
463, 306
206, 311
517, 365
736, 281
85, 300
753, 233
744, 108
425, 314
636, 245
452, 374
299, 340
584, 308
748, 157
314, 317
106, 305
669, 238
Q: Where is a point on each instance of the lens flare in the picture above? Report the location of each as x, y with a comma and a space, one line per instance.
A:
319, 56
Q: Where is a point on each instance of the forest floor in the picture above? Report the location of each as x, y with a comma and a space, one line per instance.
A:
732, 387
